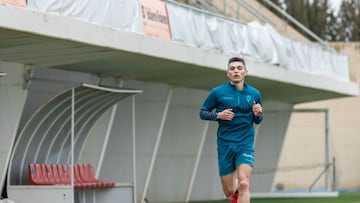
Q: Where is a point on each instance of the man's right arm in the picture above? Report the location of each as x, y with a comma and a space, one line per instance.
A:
208, 115
207, 109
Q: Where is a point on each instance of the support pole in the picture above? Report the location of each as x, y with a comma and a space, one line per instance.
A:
156, 148
333, 185
326, 170
327, 152
107, 136
197, 161
106, 140
72, 136
134, 148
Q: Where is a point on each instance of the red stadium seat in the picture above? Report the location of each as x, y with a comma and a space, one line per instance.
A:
64, 174
60, 174
47, 169
35, 175
89, 174
42, 168
80, 183
55, 171
88, 177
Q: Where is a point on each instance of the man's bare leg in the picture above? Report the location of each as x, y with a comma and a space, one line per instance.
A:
244, 173
228, 184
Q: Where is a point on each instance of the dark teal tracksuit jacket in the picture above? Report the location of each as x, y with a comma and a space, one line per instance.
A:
240, 130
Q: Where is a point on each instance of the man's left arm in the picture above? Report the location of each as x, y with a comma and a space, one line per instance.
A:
257, 112
258, 118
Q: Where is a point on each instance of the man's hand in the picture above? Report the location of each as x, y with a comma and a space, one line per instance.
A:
257, 109
227, 115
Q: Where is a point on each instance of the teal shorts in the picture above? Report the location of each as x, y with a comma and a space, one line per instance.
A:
230, 156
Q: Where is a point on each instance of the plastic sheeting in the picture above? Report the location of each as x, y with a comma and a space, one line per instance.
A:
203, 30
258, 42
116, 14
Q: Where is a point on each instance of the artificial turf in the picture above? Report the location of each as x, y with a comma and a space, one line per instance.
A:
344, 197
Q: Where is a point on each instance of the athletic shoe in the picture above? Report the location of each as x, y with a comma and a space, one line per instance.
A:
234, 198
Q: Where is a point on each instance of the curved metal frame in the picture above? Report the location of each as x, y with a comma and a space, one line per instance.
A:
68, 117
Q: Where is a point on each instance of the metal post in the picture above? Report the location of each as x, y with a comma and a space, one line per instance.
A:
326, 170
72, 137
327, 152
333, 187
107, 136
197, 161
106, 140
156, 148
134, 148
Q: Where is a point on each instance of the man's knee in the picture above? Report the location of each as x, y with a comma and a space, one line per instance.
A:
228, 190
243, 185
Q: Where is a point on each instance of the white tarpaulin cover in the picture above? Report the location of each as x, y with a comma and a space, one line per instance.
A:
252, 40
116, 14
203, 30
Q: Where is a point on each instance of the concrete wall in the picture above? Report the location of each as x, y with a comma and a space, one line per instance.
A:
269, 142
179, 144
344, 132
12, 100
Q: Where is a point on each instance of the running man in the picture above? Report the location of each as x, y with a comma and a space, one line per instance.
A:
236, 106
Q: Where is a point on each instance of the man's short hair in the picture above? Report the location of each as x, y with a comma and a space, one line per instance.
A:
233, 59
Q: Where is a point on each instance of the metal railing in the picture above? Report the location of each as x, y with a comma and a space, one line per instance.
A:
210, 6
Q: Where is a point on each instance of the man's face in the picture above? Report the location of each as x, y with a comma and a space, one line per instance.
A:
236, 72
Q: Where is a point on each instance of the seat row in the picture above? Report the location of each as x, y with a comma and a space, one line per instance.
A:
60, 174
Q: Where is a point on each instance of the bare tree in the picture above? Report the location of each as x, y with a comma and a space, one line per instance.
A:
323, 21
